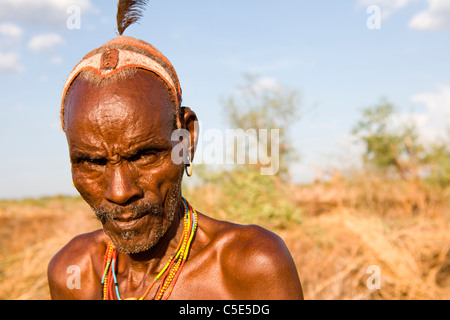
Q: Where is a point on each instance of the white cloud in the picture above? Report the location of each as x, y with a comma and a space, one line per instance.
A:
10, 30
45, 42
10, 35
42, 12
435, 17
388, 7
10, 62
435, 120
266, 83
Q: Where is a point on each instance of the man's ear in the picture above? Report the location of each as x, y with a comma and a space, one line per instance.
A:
191, 125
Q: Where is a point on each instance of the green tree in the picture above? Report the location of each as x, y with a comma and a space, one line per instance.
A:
437, 163
390, 146
243, 194
258, 106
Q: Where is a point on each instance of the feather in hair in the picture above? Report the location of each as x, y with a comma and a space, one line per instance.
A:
129, 12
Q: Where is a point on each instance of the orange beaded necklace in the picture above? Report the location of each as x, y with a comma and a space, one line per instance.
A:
169, 274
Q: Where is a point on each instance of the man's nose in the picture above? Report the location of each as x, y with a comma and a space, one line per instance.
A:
122, 186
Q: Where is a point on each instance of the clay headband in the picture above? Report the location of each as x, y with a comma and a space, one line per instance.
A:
112, 61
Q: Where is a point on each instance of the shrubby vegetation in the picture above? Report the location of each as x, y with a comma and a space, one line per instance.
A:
395, 149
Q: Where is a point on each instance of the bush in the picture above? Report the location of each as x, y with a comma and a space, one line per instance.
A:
245, 196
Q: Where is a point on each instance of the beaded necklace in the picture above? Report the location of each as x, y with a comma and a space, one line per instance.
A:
169, 274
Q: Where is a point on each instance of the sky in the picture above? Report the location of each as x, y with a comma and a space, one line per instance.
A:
342, 56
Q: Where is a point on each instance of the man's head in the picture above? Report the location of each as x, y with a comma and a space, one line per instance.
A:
118, 59
119, 125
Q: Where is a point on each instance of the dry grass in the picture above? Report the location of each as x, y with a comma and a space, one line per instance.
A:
399, 226
345, 227
31, 233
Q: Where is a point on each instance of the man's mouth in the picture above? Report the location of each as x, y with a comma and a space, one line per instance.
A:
128, 219
127, 223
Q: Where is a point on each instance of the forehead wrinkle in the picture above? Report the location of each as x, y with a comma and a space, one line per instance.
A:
120, 120
112, 109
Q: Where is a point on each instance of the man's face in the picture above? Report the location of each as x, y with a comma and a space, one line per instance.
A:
119, 138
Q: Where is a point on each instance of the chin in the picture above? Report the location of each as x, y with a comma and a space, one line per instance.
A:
132, 246
142, 238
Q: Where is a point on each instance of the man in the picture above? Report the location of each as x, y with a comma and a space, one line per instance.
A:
120, 107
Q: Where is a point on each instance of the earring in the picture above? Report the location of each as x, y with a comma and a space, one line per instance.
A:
189, 173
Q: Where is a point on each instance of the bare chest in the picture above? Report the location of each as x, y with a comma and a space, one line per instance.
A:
200, 279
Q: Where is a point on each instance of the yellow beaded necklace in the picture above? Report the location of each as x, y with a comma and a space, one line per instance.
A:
169, 273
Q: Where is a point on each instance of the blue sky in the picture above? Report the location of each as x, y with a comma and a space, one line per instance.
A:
322, 48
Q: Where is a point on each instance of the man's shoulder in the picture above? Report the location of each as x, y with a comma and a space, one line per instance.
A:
75, 256
254, 260
251, 243
254, 244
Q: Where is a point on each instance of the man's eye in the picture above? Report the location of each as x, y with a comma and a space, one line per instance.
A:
144, 157
92, 162
148, 156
